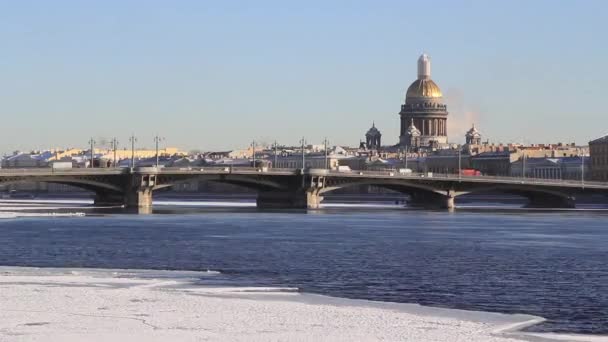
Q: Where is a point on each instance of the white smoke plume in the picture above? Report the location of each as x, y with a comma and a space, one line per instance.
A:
461, 116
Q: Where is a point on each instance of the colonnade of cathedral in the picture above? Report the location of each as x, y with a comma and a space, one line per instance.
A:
433, 127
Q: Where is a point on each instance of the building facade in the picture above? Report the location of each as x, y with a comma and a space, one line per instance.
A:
312, 161
570, 168
424, 110
496, 163
26, 160
598, 152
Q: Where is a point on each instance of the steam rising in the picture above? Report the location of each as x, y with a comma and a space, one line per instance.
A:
462, 115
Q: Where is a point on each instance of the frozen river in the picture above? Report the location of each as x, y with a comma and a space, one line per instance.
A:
545, 264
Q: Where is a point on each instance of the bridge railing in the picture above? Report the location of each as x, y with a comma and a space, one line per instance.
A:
227, 169
456, 177
284, 171
49, 170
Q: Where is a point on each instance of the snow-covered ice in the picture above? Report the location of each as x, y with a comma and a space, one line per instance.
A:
12, 214
129, 305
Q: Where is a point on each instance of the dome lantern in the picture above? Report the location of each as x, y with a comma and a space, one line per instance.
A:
423, 87
424, 67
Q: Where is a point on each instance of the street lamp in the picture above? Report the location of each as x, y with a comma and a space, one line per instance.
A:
583, 169
92, 143
303, 142
253, 153
276, 147
459, 162
523, 166
157, 140
114, 145
326, 142
133, 139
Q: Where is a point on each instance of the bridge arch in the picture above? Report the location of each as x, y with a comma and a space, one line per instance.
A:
86, 184
395, 185
537, 196
421, 195
250, 182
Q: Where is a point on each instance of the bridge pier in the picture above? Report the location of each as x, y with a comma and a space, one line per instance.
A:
134, 199
139, 191
431, 200
449, 203
289, 199
139, 198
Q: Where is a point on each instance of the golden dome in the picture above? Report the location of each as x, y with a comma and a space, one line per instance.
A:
424, 87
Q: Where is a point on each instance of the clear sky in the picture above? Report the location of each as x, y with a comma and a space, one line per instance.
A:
217, 74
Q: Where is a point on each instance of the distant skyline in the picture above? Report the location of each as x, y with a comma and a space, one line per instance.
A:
216, 75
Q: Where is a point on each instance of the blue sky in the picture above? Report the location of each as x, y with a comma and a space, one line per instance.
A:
218, 74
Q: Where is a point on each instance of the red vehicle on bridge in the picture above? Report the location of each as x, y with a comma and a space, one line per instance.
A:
470, 172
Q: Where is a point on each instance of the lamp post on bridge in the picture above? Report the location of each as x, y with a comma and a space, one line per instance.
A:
459, 163
325, 142
303, 142
133, 139
92, 143
157, 139
114, 145
523, 166
276, 147
253, 153
583, 169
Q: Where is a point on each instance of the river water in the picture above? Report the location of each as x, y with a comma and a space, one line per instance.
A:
549, 264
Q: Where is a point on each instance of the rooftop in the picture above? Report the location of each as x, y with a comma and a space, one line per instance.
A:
600, 140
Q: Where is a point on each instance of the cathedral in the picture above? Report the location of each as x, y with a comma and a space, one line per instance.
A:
424, 115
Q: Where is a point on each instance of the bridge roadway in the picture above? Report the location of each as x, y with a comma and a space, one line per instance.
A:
302, 188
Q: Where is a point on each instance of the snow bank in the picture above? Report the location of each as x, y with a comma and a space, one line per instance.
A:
127, 305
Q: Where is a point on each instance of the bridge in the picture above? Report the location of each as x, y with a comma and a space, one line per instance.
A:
302, 188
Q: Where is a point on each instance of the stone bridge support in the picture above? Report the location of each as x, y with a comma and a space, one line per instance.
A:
139, 198
306, 195
432, 200
298, 199
137, 194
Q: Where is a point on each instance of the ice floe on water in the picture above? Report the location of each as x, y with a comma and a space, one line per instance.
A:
45, 201
205, 203
39, 304
41, 208
11, 214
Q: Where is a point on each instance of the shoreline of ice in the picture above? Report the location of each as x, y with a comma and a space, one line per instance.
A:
54, 304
